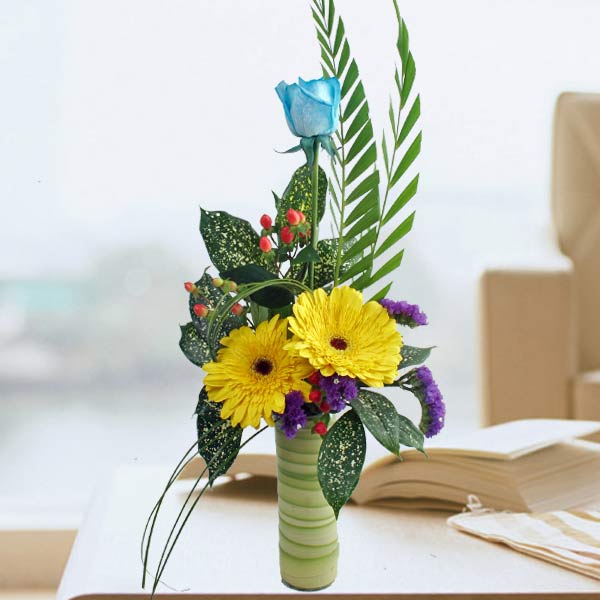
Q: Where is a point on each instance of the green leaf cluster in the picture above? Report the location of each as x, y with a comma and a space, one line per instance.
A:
233, 247
388, 427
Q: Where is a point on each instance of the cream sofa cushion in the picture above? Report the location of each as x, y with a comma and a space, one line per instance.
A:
576, 208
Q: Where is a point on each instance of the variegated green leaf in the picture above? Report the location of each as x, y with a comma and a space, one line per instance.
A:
230, 241
194, 345
220, 441
410, 435
411, 356
341, 459
380, 417
298, 195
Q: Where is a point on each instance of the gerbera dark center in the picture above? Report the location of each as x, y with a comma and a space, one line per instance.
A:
263, 366
338, 343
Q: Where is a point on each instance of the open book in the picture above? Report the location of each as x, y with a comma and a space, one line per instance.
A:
530, 465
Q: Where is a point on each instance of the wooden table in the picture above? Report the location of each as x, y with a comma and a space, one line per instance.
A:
229, 550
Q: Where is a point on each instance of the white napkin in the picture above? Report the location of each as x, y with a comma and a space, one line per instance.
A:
569, 538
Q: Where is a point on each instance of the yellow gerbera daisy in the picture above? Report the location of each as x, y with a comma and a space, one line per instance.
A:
339, 334
253, 372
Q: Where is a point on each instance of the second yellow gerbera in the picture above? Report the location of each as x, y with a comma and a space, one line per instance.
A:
337, 333
253, 372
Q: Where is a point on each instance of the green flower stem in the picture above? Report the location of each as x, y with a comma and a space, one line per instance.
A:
151, 521
314, 225
164, 558
207, 437
225, 304
342, 210
308, 540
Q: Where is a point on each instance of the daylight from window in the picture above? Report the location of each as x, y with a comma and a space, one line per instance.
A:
116, 127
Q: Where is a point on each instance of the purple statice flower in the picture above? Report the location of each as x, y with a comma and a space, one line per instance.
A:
432, 402
338, 390
293, 417
404, 313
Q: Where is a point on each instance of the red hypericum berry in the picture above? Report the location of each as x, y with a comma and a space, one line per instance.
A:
325, 407
200, 310
189, 286
265, 244
302, 217
315, 378
320, 428
314, 396
266, 222
293, 216
217, 282
287, 237
237, 309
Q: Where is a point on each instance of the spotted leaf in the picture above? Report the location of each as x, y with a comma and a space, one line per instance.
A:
298, 195
209, 295
230, 241
380, 417
411, 355
194, 345
221, 445
410, 434
324, 269
341, 459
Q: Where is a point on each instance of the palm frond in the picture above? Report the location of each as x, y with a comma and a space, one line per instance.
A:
399, 155
363, 215
355, 178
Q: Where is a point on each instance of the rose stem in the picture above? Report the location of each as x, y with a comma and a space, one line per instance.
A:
314, 226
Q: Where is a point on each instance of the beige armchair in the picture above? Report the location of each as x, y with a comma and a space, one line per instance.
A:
540, 323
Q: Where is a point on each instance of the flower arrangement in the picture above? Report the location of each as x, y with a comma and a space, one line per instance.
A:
294, 331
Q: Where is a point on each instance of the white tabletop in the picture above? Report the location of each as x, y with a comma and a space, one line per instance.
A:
229, 548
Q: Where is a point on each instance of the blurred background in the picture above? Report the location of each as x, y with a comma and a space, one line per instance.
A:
118, 119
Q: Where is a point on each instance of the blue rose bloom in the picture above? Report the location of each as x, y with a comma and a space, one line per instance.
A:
312, 108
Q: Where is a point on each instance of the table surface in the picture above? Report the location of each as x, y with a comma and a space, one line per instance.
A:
229, 549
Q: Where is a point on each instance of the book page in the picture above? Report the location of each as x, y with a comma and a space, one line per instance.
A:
511, 440
258, 457
500, 442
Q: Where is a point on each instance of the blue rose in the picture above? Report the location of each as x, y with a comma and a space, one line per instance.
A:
312, 108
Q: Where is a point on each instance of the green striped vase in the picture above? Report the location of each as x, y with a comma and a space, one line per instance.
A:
308, 541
